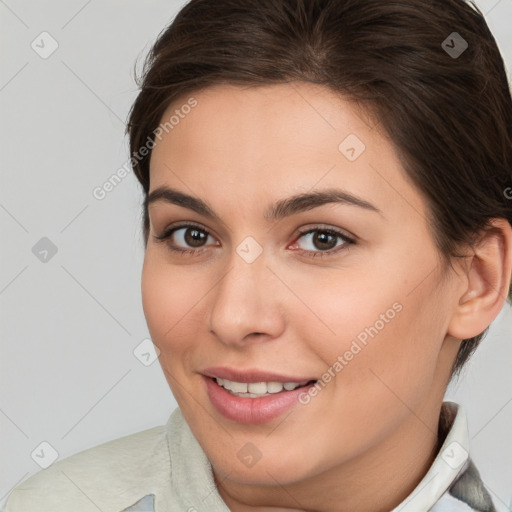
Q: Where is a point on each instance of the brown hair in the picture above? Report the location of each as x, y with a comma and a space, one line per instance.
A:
447, 108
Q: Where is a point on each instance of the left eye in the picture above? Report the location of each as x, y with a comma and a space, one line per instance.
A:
192, 240
323, 241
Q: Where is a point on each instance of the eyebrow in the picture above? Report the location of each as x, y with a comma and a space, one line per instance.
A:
279, 210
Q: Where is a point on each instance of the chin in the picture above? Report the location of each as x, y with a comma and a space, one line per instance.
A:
260, 474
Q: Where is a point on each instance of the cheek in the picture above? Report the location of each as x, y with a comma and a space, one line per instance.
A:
398, 363
168, 301
156, 302
367, 327
170, 307
343, 308
388, 345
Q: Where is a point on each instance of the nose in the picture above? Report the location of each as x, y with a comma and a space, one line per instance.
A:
246, 306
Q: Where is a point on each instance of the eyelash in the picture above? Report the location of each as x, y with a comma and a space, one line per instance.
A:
312, 254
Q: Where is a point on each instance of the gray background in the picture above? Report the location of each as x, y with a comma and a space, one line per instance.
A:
69, 325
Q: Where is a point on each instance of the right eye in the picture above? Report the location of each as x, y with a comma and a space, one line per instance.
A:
192, 238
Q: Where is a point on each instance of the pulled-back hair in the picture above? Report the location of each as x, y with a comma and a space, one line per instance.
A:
445, 107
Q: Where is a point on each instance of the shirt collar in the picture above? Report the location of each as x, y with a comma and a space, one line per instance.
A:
451, 461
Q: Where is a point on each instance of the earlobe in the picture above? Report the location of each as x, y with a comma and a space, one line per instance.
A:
487, 282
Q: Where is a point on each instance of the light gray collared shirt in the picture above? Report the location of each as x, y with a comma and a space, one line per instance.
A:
164, 469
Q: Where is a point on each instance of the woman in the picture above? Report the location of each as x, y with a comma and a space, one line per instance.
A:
327, 226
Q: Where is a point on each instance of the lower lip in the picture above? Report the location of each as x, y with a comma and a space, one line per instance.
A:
251, 410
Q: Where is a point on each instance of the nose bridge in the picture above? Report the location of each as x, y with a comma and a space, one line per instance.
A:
244, 300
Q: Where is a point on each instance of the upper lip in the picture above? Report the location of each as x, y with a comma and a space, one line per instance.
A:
251, 375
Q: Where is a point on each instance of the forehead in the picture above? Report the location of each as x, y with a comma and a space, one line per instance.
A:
305, 118
273, 140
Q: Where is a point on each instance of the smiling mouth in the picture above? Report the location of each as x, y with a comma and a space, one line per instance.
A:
259, 389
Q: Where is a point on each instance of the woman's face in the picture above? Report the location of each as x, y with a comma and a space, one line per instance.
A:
357, 301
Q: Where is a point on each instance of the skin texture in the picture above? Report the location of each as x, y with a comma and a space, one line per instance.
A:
369, 436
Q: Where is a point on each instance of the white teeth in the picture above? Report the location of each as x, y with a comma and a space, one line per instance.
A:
238, 387
274, 387
257, 389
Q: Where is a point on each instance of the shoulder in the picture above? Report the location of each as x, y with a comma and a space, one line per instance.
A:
110, 476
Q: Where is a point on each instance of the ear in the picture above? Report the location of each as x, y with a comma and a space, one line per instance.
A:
486, 282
